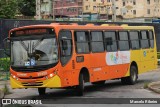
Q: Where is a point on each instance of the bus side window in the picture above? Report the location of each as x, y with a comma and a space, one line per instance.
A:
123, 41
82, 42
97, 44
144, 40
65, 41
134, 39
110, 41
151, 39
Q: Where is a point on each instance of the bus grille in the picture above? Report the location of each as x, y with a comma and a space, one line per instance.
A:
32, 77
32, 84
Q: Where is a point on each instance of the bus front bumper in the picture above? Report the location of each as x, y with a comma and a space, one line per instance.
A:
53, 82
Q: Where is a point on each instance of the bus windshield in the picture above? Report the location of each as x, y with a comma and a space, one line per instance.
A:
34, 50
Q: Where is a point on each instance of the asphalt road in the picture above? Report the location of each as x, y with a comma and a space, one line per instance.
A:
111, 89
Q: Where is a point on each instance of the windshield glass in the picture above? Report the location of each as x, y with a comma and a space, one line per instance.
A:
34, 52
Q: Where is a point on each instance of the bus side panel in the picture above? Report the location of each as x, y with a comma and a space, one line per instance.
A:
67, 74
118, 63
112, 65
102, 71
73, 68
135, 57
118, 71
98, 64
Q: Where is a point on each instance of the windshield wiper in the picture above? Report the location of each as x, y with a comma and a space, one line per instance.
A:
24, 46
31, 47
37, 43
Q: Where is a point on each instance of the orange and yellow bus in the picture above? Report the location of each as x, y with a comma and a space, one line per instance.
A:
68, 55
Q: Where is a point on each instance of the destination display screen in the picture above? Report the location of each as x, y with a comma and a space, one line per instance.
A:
28, 32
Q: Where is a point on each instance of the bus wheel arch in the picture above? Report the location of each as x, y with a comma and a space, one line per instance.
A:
85, 73
132, 78
83, 77
134, 64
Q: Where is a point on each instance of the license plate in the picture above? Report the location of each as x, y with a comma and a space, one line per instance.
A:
32, 83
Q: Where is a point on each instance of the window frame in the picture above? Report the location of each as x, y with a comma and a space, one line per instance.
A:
130, 41
82, 42
59, 40
97, 41
118, 32
151, 39
144, 39
116, 39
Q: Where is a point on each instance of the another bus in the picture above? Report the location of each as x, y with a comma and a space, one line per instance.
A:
69, 55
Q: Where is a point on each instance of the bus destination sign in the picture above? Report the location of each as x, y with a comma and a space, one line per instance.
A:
31, 32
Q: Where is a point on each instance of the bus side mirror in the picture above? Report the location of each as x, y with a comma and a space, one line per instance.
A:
6, 44
64, 45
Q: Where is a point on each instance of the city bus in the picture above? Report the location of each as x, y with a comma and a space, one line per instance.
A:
69, 55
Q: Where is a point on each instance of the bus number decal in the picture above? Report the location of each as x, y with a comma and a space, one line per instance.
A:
41, 73
120, 57
97, 69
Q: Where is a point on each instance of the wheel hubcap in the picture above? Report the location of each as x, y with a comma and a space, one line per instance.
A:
134, 76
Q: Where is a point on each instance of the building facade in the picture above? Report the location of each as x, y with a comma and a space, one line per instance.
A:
67, 8
44, 9
123, 8
139, 8
98, 9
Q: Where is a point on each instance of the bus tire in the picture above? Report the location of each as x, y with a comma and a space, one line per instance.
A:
42, 91
132, 79
99, 83
80, 87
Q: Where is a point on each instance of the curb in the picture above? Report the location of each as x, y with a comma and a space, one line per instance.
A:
2, 82
154, 86
1, 93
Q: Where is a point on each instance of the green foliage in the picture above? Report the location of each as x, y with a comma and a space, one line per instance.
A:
27, 7
4, 64
8, 8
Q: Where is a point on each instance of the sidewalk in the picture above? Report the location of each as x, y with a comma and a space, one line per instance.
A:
2, 84
155, 86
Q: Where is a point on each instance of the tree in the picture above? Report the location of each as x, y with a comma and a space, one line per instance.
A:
8, 8
27, 7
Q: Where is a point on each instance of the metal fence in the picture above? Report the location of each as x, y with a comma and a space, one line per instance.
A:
7, 24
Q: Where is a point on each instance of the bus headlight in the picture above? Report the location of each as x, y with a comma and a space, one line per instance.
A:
51, 75
15, 77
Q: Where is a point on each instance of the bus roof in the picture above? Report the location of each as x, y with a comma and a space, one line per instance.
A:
74, 26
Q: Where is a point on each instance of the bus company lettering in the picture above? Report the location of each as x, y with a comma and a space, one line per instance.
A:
120, 57
21, 75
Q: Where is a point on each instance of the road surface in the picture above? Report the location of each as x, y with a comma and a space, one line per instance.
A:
111, 89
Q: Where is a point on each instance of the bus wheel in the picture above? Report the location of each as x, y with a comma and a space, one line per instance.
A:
42, 91
132, 79
99, 83
80, 87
